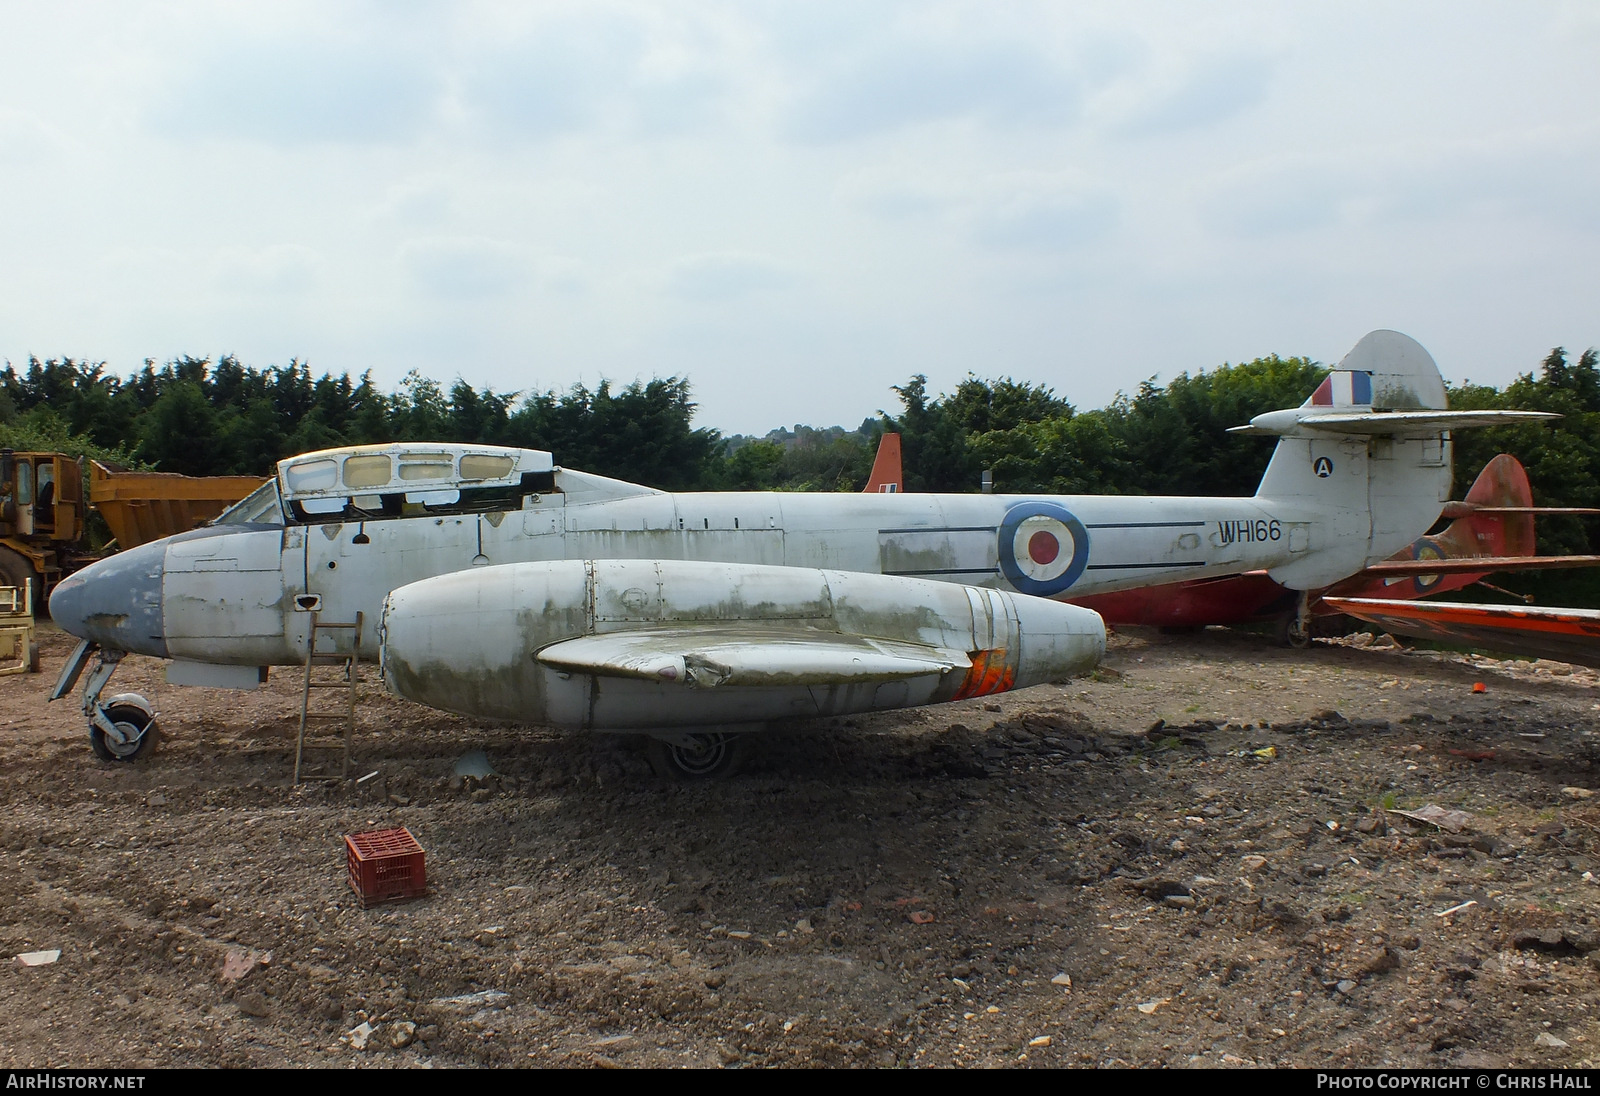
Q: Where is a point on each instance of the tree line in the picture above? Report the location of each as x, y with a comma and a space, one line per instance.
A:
199, 417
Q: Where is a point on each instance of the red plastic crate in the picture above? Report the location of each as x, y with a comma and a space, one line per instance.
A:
385, 866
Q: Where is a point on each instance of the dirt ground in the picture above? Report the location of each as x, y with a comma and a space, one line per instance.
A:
1045, 880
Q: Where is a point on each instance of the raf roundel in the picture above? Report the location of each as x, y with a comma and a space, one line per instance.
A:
1043, 548
1426, 549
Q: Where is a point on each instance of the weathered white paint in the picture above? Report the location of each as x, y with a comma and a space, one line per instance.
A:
1330, 503
657, 644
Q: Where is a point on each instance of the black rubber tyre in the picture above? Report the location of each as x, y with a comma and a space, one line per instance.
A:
1290, 634
713, 756
131, 717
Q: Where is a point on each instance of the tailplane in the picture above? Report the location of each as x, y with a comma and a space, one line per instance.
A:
1371, 450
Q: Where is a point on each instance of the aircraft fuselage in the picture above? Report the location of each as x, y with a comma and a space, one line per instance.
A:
236, 594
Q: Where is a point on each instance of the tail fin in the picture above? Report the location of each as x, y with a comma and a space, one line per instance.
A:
886, 473
1371, 450
1385, 371
1503, 483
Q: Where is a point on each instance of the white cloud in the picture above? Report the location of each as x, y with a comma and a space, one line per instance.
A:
1213, 92
908, 82
898, 195
463, 268
555, 80
644, 72
279, 268
726, 276
1541, 174
1264, 200
292, 92
679, 103
422, 202
1046, 216
26, 141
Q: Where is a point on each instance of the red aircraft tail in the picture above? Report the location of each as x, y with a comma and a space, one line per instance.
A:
1487, 529
886, 476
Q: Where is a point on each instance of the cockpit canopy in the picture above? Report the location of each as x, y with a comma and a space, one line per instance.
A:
370, 482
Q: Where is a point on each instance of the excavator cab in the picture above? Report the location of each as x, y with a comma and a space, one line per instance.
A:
41, 495
41, 516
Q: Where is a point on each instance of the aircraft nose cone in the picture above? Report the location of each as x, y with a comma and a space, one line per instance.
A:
116, 602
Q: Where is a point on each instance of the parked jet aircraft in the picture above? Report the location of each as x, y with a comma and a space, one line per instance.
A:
590, 611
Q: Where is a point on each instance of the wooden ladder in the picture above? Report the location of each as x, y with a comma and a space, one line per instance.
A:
347, 681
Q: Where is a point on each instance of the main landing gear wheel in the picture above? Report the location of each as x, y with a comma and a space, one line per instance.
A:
133, 721
1291, 633
711, 755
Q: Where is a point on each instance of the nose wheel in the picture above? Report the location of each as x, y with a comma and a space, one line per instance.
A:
135, 727
710, 755
122, 727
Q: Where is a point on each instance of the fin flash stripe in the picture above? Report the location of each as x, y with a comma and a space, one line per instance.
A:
1344, 388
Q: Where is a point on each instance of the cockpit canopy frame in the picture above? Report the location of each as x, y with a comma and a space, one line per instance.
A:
405, 479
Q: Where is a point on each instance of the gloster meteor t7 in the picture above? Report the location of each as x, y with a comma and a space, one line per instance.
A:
507, 586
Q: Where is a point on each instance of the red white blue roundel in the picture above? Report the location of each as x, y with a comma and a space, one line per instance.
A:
1043, 548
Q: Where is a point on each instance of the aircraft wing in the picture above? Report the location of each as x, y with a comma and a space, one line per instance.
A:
1394, 422
1570, 635
1470, 564
707, 655
1384, 422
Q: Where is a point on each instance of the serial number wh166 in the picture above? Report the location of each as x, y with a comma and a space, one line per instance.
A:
1246, 531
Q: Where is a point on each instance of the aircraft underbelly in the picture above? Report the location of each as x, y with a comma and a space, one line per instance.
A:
590, 702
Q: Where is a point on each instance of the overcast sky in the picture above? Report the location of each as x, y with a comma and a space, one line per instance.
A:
797, 205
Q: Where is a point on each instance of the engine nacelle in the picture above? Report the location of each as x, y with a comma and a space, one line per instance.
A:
651, 644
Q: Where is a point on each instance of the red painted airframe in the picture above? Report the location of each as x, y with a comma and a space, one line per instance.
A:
1570, 635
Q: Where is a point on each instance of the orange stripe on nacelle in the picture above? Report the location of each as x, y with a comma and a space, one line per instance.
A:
990, 673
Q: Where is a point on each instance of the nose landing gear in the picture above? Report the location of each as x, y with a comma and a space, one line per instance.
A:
134, 724
122, 728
